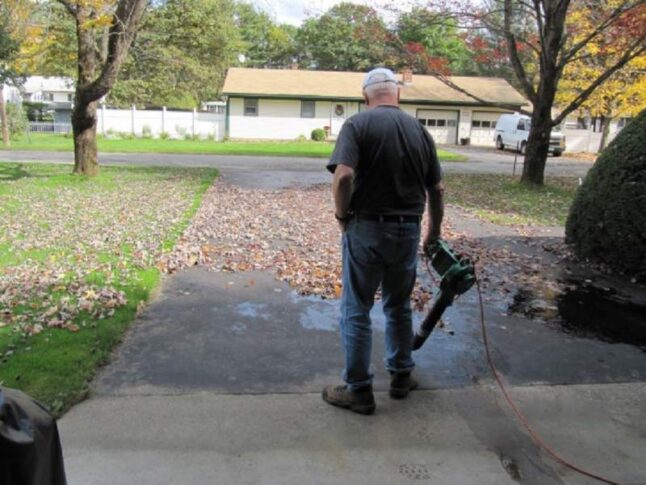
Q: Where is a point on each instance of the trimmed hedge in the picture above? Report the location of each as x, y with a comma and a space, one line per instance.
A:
607, 221
318, 134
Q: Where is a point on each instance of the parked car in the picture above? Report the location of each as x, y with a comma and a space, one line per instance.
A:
512, 131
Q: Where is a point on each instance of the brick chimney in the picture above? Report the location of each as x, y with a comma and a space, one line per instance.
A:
407, 75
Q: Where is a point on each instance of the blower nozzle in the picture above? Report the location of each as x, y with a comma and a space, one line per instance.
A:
458, 275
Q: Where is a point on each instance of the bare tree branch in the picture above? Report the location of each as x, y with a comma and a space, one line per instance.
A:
527, 86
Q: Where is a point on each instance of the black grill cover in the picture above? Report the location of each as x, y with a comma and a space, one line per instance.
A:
30, 448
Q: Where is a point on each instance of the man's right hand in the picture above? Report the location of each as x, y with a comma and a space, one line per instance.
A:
429, 243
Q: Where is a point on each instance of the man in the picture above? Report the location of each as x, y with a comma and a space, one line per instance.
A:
384, 166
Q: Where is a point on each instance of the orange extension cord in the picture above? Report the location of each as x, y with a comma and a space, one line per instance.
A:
521, 417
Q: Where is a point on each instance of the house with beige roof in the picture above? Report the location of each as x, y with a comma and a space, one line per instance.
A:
283, 104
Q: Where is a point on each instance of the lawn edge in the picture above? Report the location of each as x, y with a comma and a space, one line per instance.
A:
125, 316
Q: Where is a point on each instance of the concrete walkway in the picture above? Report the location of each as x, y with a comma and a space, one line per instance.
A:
460, 437
219, 382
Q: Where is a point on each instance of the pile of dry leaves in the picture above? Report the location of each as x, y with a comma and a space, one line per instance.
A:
292, 232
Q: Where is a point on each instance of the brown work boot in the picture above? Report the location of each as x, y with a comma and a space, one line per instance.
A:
401, 385
361, 401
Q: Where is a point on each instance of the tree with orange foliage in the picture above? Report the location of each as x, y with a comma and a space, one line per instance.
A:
624, 93
540, 46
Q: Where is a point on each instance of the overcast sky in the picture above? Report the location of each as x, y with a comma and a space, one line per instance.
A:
295, 11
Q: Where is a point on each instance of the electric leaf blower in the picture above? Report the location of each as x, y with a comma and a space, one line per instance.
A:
458, 275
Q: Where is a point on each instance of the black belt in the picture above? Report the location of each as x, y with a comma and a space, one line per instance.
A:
389, 218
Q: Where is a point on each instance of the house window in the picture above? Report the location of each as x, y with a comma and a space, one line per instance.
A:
430, 122
475, 123
308, 109
251, 106
441, 122
70, 97
623, 122
452, 123
486, 124
422, 121
48, 96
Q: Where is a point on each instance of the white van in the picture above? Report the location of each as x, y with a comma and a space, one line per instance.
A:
512, 131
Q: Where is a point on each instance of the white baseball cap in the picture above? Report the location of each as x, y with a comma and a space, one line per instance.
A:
379, 75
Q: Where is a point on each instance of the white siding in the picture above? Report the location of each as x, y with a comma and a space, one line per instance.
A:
280, 119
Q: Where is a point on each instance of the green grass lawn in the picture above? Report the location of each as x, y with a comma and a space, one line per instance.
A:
50, 142
78, 257
503, 200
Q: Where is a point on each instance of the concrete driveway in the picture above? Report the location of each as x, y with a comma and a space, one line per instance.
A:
219, 382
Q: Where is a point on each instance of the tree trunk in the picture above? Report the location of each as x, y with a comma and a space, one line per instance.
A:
538, 145
4, 121
605, 133
98, 67
84, 128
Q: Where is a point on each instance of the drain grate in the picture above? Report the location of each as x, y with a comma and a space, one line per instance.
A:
414, 471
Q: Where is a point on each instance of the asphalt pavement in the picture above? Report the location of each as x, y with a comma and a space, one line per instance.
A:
479, 160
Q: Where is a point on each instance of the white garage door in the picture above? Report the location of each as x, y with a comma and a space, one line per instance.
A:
441, 124
483, 127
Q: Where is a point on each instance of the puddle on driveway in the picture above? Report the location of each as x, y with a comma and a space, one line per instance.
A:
252, 310
319, 314
603, 313
588, 311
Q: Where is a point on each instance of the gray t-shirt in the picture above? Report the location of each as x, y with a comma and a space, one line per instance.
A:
394, 160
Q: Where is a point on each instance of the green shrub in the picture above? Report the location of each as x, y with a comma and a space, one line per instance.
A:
146, 132
301, 138
318, 134
164, 135
607, 221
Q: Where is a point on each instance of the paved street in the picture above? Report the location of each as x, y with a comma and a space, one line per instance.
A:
219, 382
480, 160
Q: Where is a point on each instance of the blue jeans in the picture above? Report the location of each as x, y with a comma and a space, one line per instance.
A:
377, 253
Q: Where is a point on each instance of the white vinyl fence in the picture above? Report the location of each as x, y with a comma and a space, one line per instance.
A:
175, 124
585, 140
49, 127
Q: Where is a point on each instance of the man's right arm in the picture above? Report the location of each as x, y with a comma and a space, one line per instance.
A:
435, 198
